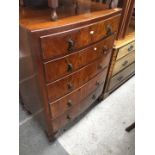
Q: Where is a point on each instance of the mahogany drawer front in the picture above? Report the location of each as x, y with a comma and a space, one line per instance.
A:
118, 78
123, 62
60, 44
65, 103
68, 64
125, 50
73, 81
74, 112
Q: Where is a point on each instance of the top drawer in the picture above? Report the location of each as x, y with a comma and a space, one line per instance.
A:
125, 50
66, 65
59, 44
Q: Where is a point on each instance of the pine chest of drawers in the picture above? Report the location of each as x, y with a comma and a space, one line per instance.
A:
122, 66
64, 64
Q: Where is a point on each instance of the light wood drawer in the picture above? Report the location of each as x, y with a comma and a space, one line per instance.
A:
125, 50
124, 62
118, 78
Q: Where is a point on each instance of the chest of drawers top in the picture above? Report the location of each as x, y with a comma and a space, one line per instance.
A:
39, 20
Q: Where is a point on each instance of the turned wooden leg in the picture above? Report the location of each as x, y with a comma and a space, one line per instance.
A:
76, 6
53, 4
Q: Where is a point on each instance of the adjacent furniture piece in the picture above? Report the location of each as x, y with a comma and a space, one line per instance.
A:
122, 65
64, 63
123, 58
55, 5
127, 12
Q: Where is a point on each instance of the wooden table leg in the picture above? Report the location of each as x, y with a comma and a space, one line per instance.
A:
53, 4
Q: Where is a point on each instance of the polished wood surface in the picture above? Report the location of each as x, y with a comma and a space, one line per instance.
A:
38, 19
76, 96
63, 75
75, 61
73, 40
123, 63
76, 79
78, 6
71, 114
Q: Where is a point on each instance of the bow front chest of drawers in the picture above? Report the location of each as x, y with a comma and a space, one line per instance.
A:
64, 64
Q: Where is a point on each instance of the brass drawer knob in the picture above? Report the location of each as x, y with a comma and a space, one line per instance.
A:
68, 117
70, 45
94, 97
125, 63
69, 103
130, 48
120, 78
109, 30
69, 67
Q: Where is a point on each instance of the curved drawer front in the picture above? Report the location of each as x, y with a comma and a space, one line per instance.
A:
68, 64
123, 51
60, 44
76, 79
71, 114
124, 62
65, 103
120, 77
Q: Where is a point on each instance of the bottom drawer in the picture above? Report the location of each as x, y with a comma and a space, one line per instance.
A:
76, 110
118, 78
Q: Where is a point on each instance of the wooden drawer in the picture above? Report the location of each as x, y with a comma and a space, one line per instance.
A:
125, 50
65, 103
59, 44
71, 114
61, 67
73, 81
118, 78
124, 62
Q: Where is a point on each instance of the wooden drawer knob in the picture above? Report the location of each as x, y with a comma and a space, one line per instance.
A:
97, 83
125, 63
105, 50
68, 117
70, 86
69, 103
70, 45
109, 30
120, 78
69, 67
100, 66
130, 48
94, 97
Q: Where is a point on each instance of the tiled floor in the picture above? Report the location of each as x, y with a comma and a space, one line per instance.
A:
100, 132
